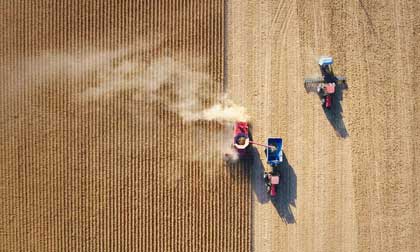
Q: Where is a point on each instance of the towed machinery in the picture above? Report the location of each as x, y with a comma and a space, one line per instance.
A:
326, 85
274, 158
242, 140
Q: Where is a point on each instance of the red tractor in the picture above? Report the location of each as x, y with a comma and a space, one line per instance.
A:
325, 91
271, 180
326, 85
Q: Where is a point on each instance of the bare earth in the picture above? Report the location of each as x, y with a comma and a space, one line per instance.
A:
351, 179
88, 162
118, 172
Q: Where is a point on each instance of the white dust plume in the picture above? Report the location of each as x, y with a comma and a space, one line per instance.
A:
180, 86
173, 84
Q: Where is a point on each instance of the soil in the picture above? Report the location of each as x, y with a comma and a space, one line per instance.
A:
351, 175
118, 172
89, 162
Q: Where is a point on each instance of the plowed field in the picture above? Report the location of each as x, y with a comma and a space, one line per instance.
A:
103, 145
95, 153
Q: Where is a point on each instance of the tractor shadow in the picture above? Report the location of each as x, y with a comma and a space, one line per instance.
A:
256, 169
335, 113
287, 191
252, 169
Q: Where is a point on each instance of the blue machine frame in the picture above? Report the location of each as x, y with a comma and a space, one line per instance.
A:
274, 157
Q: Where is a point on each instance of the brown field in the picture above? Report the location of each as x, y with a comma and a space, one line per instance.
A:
91, 163
352, 178
97, 154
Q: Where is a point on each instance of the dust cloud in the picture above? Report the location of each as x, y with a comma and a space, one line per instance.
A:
173, 84
177, 86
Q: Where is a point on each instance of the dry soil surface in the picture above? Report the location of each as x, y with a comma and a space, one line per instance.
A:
351, 175
94, 151
91, 161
